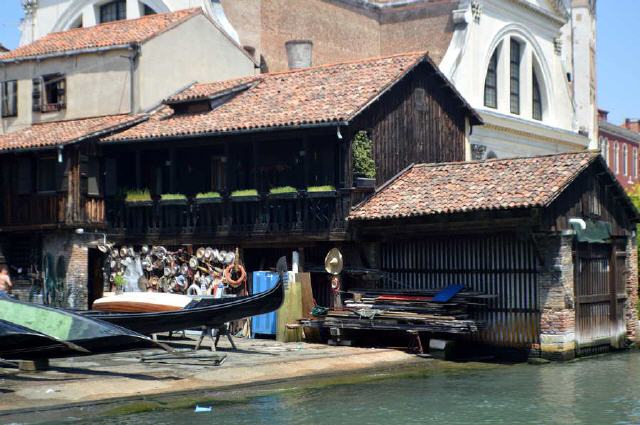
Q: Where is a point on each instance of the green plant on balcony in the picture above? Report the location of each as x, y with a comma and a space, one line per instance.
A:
137, 196
363, 163
208, 195
244, 193
326, 188
173, 197
282, 189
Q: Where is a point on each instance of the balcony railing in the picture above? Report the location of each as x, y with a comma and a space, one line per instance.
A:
286, 213
34, 209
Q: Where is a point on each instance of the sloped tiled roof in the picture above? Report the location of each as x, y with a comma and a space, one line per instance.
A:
56, 133
498, 184
310, 96
111, 34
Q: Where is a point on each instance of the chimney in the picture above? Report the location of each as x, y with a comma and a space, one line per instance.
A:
603, 115
299, 53
632, 124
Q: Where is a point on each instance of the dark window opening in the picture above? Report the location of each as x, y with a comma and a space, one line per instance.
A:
148, 11
9, 94
93, 177
54, 96
514, 65
24, 184
46, 175
491, 82
537, 99
114, 11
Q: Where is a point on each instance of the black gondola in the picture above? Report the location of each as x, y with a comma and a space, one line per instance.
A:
211, 313
94, 336
18, 342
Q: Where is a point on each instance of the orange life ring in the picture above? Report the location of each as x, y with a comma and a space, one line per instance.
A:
234, 283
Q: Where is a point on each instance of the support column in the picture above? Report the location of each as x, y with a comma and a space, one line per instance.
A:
557, 300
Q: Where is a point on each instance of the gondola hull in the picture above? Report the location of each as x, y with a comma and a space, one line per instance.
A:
94, 336
20, 343
212, 313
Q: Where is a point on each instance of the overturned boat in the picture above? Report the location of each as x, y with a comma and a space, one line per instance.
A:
142, 302
93, 336
18, 342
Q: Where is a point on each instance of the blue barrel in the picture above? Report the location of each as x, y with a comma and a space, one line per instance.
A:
264, 324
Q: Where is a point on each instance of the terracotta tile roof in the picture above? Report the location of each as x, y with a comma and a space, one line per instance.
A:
56, 133
310, 96
117, 33
498, 184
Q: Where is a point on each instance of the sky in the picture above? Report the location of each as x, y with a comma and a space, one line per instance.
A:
618, 53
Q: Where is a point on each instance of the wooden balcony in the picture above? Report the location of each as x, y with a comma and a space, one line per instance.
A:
289, 214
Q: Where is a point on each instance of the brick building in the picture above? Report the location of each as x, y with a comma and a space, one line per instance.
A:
619, 145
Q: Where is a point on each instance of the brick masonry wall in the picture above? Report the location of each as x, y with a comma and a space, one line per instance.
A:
73, 249
557, 302
631, 277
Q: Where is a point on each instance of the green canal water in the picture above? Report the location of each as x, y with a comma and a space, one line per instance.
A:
599, 390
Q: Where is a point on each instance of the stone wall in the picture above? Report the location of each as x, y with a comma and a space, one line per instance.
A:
557, 303
70, 258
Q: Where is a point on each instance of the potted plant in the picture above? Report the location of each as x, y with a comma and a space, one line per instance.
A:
326, 191
245, 195
283, 192
208, 198
173, 199
119, 281
364, 167
139, 198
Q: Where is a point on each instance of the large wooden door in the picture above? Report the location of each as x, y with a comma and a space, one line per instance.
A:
599, 296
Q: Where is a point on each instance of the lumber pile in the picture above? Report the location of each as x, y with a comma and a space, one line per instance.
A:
415, 311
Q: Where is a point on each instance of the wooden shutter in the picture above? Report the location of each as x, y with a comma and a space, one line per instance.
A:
36, 94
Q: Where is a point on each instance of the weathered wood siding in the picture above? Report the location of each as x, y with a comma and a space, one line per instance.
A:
497, 264
591, 195
417, 121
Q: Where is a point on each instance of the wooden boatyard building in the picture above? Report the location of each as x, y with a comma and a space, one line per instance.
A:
505, 227
552, 236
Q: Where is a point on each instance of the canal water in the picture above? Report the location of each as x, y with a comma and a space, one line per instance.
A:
599, 390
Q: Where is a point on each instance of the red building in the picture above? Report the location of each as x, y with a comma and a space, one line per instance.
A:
619, 145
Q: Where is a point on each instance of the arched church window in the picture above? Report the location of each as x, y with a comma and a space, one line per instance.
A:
514, 74
491, 82
113, 11
536, 98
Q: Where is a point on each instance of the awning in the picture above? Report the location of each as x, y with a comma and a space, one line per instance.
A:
595, 231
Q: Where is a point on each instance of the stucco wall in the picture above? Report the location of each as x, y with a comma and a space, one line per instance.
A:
96, 84
193, 51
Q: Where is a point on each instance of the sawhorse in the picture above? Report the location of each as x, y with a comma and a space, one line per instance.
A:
215, 334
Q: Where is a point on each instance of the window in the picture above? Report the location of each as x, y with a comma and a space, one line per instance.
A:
52, 97
113, 11
218, 175
148, 11
514, 72
625, 160
537, 99
46, 175
634, 163
9, 94
491, 82
616, 158
604, 149
93, 177
24, 184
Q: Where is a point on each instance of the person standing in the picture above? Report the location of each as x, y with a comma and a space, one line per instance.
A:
5, 282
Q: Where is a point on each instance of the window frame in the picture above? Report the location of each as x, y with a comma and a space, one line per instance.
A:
119, 12
8, 112
491, 82
634, 163
49, 83
536, 97
515, 61
625, 160
616, 158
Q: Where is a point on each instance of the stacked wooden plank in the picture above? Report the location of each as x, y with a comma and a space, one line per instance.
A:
407, 311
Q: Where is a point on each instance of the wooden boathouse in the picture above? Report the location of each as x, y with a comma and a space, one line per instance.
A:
552, 236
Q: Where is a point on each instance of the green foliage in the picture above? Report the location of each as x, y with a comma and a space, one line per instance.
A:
173, 197
363, 163
138, 196
244, 192
118, 280
283, 189
207, 195
327, 188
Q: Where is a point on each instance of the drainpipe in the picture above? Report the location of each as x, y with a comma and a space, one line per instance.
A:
133, 63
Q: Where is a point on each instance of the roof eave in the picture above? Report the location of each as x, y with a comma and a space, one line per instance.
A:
66, 53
